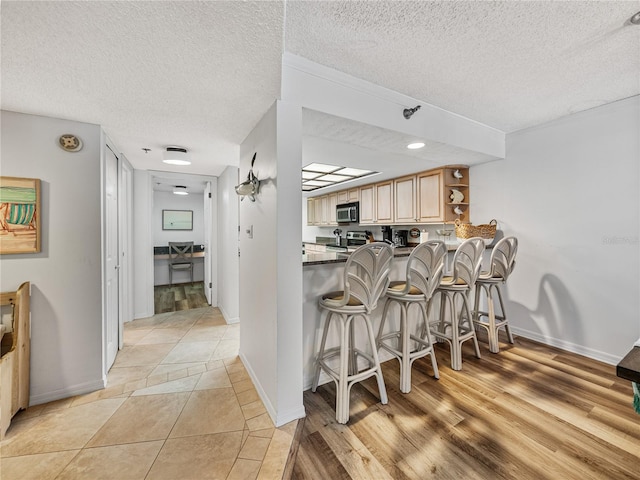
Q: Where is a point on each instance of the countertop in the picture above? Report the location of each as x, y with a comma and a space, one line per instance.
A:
322, 258
339, 257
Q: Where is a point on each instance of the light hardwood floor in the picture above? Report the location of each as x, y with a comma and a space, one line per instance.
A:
529, 412
179, 405
181, 296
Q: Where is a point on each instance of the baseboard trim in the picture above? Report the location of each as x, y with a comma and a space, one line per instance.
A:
226, 316
568, 346
67, 392
263, 396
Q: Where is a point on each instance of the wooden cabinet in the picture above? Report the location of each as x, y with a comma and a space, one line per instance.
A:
436, 196
456, 194
366, 205
376, 203
332, 202
429, 197
405, 200
383, 203
311, 211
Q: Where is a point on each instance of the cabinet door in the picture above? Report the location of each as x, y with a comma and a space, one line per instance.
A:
405, 200
324, 210
343, 197
430, 206
319, 214
311, 212
353, 195
366, 205
331, 208
383, 201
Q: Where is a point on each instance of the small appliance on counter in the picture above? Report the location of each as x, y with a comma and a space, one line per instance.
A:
400, 238
338, 233
387, 234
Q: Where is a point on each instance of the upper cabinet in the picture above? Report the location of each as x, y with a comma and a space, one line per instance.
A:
440, 195
376, 203
456, 193
347, 196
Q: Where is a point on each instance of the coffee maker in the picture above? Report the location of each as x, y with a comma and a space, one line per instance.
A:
400, 238
387, 234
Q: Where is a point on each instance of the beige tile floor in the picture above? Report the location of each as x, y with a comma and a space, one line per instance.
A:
179, 404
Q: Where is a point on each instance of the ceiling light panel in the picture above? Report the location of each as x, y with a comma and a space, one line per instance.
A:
352, 172
332, 177
316, 183
321, 167
309, 175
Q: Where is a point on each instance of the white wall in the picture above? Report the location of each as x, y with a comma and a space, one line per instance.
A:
66, 312
169, 201
142, 244
228, 245
568, 190
270, 275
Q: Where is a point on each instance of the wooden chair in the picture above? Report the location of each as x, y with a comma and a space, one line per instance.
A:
14, 362
180, 258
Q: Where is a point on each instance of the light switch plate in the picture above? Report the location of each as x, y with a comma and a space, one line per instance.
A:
250, 231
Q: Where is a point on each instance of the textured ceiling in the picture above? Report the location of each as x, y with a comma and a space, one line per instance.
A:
509, 64
201, 74
194, 74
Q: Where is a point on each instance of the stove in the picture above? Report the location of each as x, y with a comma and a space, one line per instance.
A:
356, 239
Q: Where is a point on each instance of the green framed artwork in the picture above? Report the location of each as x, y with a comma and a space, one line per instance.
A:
177, 219
19, 215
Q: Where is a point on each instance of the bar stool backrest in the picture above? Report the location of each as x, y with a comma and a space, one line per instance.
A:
467, 261
425, 267
366, 273
503, 257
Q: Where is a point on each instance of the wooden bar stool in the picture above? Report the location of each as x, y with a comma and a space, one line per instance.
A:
366, 277
424, 273
503, 261
457, 327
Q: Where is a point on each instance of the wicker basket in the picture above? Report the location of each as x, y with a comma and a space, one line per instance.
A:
466, 230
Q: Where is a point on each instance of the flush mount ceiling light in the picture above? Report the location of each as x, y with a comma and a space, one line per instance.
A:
175, 156
415, 146
180, 190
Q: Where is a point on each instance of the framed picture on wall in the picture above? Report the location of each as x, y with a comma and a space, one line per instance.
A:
177, 219
20, 230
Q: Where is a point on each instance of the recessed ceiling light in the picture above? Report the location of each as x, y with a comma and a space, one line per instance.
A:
175, 156
415, 146
180, 190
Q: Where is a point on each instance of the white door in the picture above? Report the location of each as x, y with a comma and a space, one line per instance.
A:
125, 228
112, 264
208, 283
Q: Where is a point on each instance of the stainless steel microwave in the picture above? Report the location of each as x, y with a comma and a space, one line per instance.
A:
348, 212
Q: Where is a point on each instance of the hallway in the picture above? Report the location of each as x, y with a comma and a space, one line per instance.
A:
179, 404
